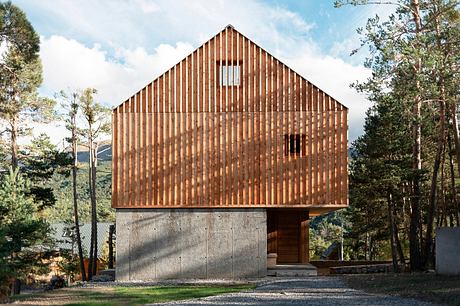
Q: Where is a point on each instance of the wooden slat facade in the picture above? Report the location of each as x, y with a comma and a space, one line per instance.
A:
186, 141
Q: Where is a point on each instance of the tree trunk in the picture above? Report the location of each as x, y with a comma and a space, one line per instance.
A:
75, 196
90, 184
392, 226
434, 184
401, 256
415, 230
14, 142
452, 182
111, 232
93, 203
15, 286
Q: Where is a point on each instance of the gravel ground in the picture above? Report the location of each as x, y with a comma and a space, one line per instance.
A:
301, 291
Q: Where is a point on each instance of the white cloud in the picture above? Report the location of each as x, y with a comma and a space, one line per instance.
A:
68, 63
148, 6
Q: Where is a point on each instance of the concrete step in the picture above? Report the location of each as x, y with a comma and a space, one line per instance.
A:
303, 270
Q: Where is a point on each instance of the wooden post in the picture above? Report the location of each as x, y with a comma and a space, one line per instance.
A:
111, 232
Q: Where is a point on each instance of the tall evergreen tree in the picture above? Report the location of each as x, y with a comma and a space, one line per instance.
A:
72, 107
414, 57
20, 76
24, 234
96, 117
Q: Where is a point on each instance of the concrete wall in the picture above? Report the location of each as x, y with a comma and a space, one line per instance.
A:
448, 250
191, 243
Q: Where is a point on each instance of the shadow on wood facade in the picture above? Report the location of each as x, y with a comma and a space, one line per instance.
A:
185, 140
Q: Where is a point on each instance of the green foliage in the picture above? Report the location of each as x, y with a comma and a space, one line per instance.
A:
414, 87
69, 262
62, 187
41, 160
24, 233
94, 112
17, 31
327, 229
380, 166
20, 77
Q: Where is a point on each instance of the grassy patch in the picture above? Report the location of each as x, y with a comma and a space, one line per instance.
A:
421, 286
125, 295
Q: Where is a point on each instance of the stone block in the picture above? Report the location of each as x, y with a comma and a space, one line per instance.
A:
448, 250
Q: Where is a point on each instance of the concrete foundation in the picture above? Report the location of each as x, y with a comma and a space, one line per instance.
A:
448, 250
191, 243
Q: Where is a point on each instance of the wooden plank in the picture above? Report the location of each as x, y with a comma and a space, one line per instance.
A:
199, 160
298, 161
239, 57
149, 143
227, 56
194, 102
199, 80
251, 174
322, 155
218, 78
188, 84
240, 158
161, 159
127, 155
304, 238
133, 150
115, 157
212, 75
246, 78
212, 158
257, 104
262, 153
143, 149
268, 158
344, 180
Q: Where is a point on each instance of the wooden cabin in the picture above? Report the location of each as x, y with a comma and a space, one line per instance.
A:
222, 159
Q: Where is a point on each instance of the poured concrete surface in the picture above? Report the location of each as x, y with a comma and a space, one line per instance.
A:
294, 270
448, 250
191, 243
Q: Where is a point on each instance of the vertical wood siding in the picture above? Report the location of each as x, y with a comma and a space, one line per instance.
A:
186, 141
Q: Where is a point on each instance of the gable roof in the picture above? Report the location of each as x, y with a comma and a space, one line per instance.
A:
287, 90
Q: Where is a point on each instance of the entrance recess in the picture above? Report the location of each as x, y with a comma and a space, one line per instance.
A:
287, 234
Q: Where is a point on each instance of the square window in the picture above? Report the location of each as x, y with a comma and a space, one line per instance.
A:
294, 144
230, 74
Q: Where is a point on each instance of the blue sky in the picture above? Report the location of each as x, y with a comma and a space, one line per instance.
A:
118, 46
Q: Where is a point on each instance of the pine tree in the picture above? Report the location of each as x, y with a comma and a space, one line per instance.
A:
414, 61
20, 77
71, 104
24, 235
97, 124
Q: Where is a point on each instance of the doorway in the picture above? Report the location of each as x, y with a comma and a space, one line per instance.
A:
287, 234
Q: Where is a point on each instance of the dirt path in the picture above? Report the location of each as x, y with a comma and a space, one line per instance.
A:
301, 291
65, 296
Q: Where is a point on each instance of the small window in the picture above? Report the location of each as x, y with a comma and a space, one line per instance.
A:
229, 75
294, 144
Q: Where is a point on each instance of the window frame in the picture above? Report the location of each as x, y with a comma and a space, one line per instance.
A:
226, 79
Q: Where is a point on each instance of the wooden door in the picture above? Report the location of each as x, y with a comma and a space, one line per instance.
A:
288, 237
